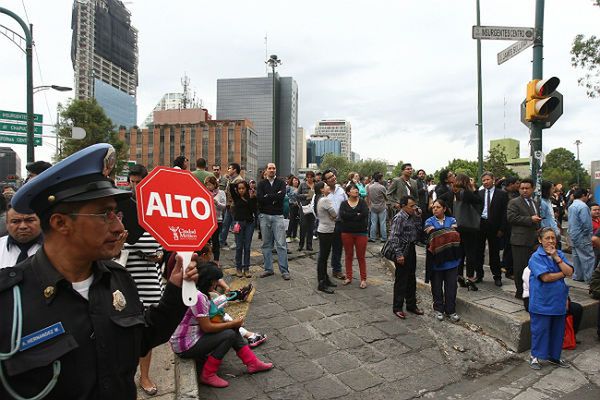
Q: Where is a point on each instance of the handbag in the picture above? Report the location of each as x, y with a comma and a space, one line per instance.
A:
569, 342
388, 252
467, 216
236, 228
310, 207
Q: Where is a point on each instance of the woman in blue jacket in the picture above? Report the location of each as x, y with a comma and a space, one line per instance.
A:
548, 294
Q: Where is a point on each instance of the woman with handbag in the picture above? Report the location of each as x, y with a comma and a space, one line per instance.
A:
327, 215
243, 210
305, 195
220, 200
294, 214
467, 204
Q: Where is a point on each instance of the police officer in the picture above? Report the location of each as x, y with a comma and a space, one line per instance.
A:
83, 326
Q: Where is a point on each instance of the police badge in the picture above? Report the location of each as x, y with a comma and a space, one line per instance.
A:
119, 302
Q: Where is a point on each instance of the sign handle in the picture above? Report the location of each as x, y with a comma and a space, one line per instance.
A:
189, 292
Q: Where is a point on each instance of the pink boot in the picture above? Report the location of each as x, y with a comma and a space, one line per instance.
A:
209, 373
252, 362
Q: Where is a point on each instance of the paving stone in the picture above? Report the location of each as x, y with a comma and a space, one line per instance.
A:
531, 394
415, 341
241, 389
304, 371
326, 326
351, 306
367, 354
369, 334
271, 380
295, 392
316, 348
329, 309
345, 339
391, 347
561, 381
291, 303
326, 388
429, 380
268, 311
338, 362
307, 314
384, 391
359, 379
316, 300
297, 333
281, 322
282, 358
392, 370
348, 320
392, 328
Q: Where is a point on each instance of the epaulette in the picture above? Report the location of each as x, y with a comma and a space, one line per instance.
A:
10, 277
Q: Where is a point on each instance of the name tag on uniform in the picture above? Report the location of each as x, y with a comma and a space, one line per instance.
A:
41, 336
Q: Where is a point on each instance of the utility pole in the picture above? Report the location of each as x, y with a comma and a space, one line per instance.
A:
479, 105
274, 62
535, 131
577, 143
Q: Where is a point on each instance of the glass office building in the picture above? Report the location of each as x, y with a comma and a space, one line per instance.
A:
118, 106
317, 148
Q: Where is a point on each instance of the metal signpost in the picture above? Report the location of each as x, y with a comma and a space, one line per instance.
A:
513, 50
13, 128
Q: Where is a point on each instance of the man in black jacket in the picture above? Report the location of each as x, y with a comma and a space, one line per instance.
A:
270, 196
492, 227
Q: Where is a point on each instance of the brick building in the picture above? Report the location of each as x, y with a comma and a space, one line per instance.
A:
192, 133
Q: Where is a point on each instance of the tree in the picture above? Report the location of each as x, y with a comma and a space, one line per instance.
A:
339, 163
88, 114
397, 171
369, 167
585, 54
459, 166
495, 162
561, 166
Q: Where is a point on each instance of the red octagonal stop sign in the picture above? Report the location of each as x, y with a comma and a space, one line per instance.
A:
176, 209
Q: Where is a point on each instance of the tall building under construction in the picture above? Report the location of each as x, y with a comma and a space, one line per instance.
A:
104, 53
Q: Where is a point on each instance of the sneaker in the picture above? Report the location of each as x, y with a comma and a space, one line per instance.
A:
315, 237
267, 273
288, 239
439, 316
534, 363
238, 273
256, 340
247, 274
559, 363
454, 317
285, 276
372, 240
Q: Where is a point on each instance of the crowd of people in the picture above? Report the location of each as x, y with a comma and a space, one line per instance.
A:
454, 220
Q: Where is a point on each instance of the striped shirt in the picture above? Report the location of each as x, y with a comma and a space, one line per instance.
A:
404, 231
145, 273
188, 331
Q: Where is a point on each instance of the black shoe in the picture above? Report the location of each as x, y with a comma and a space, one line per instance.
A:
309, 248
461, 281
300, 248
323, 288
329, 283
498, 281
479, 279
471, 285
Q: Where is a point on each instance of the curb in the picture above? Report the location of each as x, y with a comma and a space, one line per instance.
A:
186, 383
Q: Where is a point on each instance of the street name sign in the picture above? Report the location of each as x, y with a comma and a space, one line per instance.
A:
179, 212
513, 50
503, 33
16, 139
19, 116
14, 128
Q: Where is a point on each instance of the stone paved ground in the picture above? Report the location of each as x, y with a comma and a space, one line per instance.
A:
349, 345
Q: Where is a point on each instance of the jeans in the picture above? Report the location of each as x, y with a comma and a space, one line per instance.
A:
216, 344
584, 261
325, 240
294, 219
307, 222
273, 231
378, 219
443, 290
227, 220
336, 248
358, 241
243, 240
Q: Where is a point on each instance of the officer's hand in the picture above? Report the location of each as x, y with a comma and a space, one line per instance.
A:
191, 272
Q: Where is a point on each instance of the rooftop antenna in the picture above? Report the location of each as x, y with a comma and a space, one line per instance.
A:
185, 81
266, 57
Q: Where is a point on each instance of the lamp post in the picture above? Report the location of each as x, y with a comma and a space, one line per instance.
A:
29, 74
58, 88
274, 62
577, 143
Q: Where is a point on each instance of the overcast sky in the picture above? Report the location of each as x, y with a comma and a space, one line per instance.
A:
402, 72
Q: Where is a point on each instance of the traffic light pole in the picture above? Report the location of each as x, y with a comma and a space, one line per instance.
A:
479, 107
535, 130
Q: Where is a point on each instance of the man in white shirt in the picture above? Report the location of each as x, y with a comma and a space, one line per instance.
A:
337, 196
23, 240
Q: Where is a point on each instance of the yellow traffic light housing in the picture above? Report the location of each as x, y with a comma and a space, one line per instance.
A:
540, 101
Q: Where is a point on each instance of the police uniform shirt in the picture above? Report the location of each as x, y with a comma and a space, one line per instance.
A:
104, 335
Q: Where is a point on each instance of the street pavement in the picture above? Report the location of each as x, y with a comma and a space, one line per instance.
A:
350, 345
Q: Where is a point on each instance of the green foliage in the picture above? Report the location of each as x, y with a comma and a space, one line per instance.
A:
459, 166
344, 167
585, 55
397, 169
87, 114
495, 162
561, 166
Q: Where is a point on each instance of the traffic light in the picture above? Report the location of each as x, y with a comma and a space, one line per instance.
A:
541, 99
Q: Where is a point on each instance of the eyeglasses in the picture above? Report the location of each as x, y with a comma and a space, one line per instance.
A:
107, 216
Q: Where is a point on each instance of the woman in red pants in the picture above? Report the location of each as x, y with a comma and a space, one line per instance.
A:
354, 215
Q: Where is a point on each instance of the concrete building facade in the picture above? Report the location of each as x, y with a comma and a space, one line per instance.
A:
10, 163
339, 129
259, 99
104, 53
300, 149
189, 132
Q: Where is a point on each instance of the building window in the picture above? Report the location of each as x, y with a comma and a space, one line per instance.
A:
150, 148
205, 142
161, 148
218, 133
138, 145
182, 141
172, 144
244, 148
193, 144
231, 145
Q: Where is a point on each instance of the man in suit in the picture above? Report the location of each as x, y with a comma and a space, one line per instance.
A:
402, 186
492, 226
523, 216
